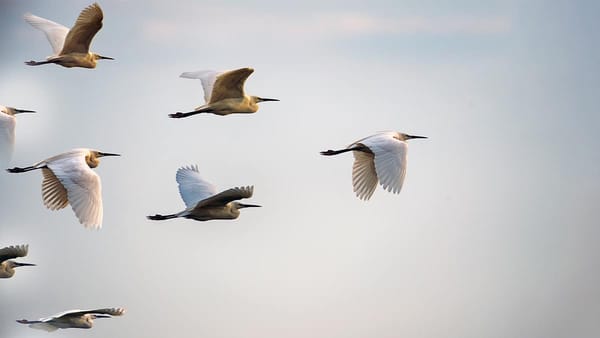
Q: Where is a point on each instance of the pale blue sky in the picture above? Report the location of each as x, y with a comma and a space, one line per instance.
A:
494, 234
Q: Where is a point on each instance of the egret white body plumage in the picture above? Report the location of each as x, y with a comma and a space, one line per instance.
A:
7, 266
224, 93
69, 179
202, 201
78, 319
7, 131
379, 157
71, 47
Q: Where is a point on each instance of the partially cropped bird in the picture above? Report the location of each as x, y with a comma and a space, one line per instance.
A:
69, 179
202, 201
71, 47
7, 131
77, 319
379, 157
224, 93
6, 265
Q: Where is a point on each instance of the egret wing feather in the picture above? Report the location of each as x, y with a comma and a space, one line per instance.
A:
192, 187
7, 137
80, 37
48, 327
390, 160
364, 175
206, 77
105, 311
14, 251
55, 32
230, 84
84, 190
54, 193
226, 196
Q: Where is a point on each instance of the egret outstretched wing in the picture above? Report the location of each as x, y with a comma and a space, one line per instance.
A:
83, 188
227, 196
389, 158
230, 84
11, 252
87, 25
54, 194
364, 176
7, 137
55, 33
206, 77
192, 187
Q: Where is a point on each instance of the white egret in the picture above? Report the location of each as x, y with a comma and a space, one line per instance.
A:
69, 179
6, 265
378, 157
71, 47
7, 131
77, 319
202, 201
224, 93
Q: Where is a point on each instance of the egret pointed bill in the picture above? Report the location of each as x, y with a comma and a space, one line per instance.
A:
105, 57
19, 111
242, 205
23, 264
107, 154
408, 137
264, 99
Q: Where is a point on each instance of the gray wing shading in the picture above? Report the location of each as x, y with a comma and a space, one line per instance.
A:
106, 311
227, 196
54, 193
364, 176
15, 251
55, 33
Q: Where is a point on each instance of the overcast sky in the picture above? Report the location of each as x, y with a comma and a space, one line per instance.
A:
495, 233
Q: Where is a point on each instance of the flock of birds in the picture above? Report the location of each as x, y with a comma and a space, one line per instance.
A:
68, 178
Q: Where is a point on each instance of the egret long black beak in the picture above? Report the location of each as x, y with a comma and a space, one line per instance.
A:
107, 154
105, 57
242, 205
262, 99
101, 316
19, 111
23, 264
414, 136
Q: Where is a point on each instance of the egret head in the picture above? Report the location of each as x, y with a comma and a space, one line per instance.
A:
406, 137
100, 57
14, 111
92, 158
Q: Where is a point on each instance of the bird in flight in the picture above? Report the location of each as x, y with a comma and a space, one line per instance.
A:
71, 48
7, 131
78, 319
224, 93
7, 265
69, 179
379, 157
202, 201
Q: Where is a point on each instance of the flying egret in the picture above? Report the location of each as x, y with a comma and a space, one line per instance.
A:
223, 93
71, 47
7, 131
202, 201
6, 266
77, 319
378, 157
68, 179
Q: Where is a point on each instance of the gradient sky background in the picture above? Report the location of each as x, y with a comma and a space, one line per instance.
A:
495, 233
